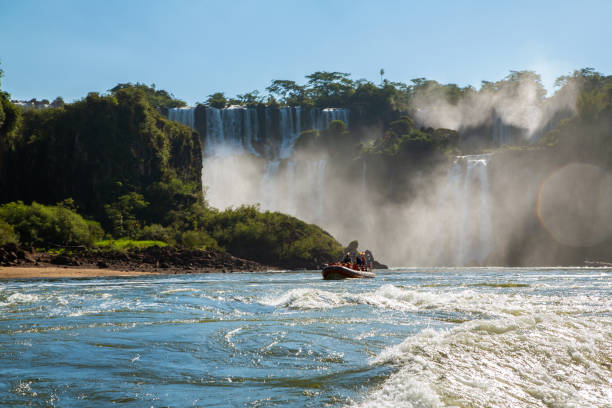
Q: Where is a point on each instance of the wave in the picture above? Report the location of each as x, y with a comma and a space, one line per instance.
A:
306, 298
532, 360
18, 298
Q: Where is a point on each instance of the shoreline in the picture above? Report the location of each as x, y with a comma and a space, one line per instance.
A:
21, 272
16, 263
57, 272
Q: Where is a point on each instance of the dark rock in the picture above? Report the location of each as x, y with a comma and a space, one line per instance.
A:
101, 264
63, 260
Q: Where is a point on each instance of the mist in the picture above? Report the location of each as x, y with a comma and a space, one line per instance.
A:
500, 208
520, 104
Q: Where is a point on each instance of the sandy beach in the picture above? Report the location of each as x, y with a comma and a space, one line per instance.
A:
58, 272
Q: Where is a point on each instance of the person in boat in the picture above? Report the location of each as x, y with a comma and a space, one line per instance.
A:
359, 261
364, 264
347, 258
369, 258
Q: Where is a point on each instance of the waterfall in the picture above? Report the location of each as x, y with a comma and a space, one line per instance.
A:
183, 115
364, 190
291, 188
235, 133
251, 130
500, 131
327, 115
465, 212
473, 196
316, 172
270, 187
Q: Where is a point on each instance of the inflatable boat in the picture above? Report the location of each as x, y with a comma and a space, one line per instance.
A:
334, 272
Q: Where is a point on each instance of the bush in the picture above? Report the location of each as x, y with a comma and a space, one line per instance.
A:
198, 239
156, 232
7, 234
272, 238
45, 226
124, 244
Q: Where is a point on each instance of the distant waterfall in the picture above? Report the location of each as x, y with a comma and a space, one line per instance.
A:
468, 190
364, 190
183, 115
270, 134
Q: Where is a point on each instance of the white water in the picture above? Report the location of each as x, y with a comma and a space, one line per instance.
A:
230, 158
182, 115
534, 351
469, 180
412, 337
456, 228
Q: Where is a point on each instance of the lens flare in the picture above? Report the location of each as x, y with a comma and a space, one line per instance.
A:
575, 205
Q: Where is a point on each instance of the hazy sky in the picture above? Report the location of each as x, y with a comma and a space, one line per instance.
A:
194, 48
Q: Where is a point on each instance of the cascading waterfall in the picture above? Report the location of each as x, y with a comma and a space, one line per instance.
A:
469, 179
319, 188
364, 190
237, 131
183, 115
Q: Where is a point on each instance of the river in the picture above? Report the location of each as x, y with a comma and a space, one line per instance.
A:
412, 337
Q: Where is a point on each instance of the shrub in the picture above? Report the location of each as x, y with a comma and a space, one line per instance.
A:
124, 244
7, 234
44, 226
198, 239
272, 238
156, 232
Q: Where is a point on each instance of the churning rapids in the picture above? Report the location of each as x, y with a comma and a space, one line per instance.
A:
468, 337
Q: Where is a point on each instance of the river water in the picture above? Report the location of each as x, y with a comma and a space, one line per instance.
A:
467, 337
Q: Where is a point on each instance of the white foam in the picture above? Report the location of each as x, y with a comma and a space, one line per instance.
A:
306, 299
530, 360
19, 298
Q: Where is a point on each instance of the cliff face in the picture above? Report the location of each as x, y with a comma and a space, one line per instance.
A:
98, 149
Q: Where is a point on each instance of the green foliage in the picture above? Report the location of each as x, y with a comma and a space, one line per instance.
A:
586, 135
7, 233
44, 226
125, 244
156, 232
289, 93
217, 100
10, 121
122, 215
101, 148
271, 238
307, 141
249, 99
155, 97
329, 89
198, 239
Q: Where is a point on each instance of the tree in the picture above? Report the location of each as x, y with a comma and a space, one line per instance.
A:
329, 89
58, 102
382, 72
288, 92
122, 215
249, 98
217, 100
158, 98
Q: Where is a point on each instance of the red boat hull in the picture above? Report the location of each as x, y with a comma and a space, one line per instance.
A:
335, 272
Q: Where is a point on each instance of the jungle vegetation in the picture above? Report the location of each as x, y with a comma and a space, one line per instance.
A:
113, 166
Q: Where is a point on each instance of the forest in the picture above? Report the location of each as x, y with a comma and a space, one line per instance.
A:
112, 166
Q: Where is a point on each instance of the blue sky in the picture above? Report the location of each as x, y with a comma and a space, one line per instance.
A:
194, 48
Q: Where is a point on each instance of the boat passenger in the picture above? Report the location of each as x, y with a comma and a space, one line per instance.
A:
370, 258
347, 258
359, 262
